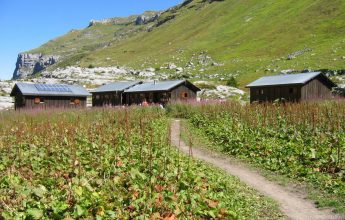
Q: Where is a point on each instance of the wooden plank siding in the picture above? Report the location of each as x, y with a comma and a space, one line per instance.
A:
107, 99
273, 93
315, 89
177, 94
180, 93
28, 102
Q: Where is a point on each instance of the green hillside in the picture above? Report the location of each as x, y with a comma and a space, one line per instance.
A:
248, 37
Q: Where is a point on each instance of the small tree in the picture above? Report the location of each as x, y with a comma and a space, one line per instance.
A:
232, 82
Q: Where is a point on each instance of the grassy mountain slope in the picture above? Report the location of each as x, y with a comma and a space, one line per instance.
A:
250, 37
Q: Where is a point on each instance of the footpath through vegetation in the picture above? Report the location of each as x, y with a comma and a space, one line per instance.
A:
111, 164
303, 142
292, 205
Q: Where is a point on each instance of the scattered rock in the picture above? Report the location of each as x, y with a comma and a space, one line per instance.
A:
171, 66
151, 69
221, 92
298, 53
179, 69
190, 64
287, 71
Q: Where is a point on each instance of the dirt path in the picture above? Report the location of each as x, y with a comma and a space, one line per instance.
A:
293, 205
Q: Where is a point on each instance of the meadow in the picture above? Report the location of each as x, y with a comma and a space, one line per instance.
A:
251, 39
111, 164
304, 142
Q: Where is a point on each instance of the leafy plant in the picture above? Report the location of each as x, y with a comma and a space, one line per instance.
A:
232, 82
303, 141
111, 164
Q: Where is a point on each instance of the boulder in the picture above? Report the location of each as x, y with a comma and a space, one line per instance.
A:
179, 69
171, 66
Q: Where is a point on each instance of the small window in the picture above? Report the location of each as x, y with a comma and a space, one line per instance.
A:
97, 97
261, 91
75, 101
38, 100
291, 90
184, 95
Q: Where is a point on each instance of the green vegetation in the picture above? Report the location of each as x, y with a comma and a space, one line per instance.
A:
304, 142
111, 164
251, 38
232, 82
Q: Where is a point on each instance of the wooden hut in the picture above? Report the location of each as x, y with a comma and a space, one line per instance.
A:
41, 96
161, 92
111, 94
291, 87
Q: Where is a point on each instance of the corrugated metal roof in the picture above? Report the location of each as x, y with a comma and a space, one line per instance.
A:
155, 86
116, 86
289, 79
51, 89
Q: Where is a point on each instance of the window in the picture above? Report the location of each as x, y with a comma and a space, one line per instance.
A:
38, 100
184, 95
291, 90
75, 101
261, 91
97, 97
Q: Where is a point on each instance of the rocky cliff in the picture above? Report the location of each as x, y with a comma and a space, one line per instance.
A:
30, 64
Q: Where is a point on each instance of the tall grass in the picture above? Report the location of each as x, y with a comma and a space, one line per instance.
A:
304, 141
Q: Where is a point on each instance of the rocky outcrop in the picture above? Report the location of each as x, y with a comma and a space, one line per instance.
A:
30, 64
144, 19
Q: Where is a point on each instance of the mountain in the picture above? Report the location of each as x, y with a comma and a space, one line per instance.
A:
208, 39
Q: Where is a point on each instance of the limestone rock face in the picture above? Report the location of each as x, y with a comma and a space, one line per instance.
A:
30, 64
144, 19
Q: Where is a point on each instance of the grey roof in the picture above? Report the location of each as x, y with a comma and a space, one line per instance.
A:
116, 86
289, 79
34, 89
159, 86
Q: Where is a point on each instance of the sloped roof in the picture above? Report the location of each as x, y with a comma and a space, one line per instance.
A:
116, 86
289, 79
49, 90
161, 86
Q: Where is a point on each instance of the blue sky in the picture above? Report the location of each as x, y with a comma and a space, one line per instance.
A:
25, 25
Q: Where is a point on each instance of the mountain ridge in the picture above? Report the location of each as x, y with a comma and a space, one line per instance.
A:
249, 38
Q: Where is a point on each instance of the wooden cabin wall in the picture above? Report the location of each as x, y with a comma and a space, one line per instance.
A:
151, 97
19, 101
315, 89
51, 102
272, 93
177, 94
107, 99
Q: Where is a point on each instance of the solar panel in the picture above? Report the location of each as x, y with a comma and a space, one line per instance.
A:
52, 88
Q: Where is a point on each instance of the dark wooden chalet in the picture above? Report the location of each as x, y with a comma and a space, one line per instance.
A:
111, 94
161, 92
41, 96
291, 87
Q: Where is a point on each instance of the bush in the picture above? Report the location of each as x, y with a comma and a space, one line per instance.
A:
232, 82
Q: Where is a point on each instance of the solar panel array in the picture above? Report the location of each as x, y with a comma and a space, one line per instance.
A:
52, 88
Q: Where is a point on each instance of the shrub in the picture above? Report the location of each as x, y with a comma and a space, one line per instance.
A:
232, 82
